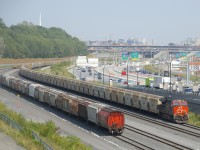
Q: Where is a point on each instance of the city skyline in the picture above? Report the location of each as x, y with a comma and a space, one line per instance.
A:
160, 22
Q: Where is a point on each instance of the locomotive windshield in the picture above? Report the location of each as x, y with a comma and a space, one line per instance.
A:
179, 103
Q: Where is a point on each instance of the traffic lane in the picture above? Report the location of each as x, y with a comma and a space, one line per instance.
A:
37, 112
81, 74
7, 143
133, 77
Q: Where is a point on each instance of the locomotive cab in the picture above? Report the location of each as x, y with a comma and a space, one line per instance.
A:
175, 110
180, 111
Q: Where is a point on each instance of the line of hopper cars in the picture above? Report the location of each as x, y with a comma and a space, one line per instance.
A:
168, 108
96, 113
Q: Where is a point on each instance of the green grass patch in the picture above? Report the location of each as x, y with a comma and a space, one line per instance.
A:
194, 119
151, 68
47, 131
58, 69
20, 138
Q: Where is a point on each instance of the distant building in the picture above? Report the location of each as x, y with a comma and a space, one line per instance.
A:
197, 42
194, 66
121, 41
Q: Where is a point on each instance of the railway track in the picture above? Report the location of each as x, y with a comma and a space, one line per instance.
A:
192, 127
157, 138
142, 117
154, 121
133, 143
128, 140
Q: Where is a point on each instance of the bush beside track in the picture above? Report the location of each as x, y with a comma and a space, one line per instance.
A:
194, 119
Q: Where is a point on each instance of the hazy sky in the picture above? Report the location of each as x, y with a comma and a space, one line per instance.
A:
162, 21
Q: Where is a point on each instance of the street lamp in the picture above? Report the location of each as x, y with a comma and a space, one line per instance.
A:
73, 72
94, 77
137, 70
108, 76
170, 73
80, 75
103, 73
127, 70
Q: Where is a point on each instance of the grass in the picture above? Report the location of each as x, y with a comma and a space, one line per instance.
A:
58, 69
150, 68
47, 131
194, 119
20, 138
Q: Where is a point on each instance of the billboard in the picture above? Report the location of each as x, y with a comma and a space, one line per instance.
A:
124, 55
133, 55
181, 54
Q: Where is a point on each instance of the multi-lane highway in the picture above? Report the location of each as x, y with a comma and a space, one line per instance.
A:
112, 73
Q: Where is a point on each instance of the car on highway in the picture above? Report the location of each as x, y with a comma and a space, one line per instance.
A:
99, 76
119, 80
83, 70
188, 91
83, 78
125, 82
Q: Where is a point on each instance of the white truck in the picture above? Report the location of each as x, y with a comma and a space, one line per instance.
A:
161, 82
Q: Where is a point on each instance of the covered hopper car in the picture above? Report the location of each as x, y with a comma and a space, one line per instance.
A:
164, 107
75, 106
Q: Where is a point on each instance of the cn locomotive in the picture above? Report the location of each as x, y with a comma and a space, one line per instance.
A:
95, 113
168, 108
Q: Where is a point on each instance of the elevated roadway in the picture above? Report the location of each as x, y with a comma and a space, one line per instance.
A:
143, 48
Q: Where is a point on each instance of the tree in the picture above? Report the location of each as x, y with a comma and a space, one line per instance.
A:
26, 40
2, 45
2, 24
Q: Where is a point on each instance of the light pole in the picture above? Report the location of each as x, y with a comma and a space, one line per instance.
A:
127, 71
108, 76
74, 75
80, 74
137, 70
170, 73
94, 77
103, 73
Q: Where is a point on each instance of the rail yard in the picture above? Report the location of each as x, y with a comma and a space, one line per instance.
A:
135, 122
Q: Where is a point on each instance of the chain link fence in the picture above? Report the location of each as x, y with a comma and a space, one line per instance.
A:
20, 128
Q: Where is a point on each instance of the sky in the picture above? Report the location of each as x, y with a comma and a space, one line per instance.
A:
160, 21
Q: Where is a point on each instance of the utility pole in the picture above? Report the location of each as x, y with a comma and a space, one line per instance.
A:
187, 73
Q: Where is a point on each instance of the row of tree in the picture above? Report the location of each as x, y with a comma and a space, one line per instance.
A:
26, 40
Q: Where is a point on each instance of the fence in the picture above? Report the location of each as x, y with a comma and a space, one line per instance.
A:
20, 128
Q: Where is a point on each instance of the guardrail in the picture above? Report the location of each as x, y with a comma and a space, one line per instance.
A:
20, 128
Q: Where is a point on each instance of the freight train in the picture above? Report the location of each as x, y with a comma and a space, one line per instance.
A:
168, 108
96, 113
